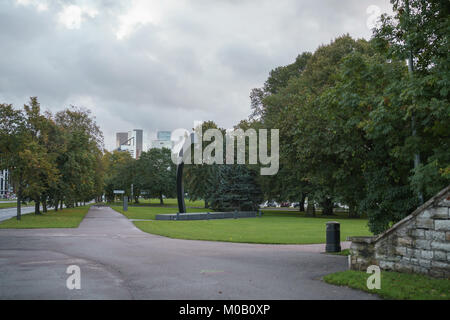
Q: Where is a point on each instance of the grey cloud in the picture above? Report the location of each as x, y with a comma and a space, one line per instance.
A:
199, 63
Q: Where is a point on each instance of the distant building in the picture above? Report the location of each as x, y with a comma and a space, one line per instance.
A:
5, 187
121, 138
132, 142
164, 135
138, 138
163, 140
159, 144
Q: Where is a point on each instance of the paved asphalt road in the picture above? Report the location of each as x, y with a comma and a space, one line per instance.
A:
8, 213
118, 261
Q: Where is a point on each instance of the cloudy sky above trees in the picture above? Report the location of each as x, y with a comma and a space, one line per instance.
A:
160, 65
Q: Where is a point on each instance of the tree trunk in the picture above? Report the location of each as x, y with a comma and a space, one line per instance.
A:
352, 211
301, 204
37, 209
161, 201
44, 205
310, 209
327, 207
206, 204
60, 205
19, 200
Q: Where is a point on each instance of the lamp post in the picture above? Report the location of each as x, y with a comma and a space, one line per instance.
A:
180, 187
413, 120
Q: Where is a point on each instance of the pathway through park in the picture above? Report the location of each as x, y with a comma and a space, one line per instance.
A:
118, 261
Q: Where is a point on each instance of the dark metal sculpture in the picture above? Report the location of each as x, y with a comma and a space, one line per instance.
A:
180, 188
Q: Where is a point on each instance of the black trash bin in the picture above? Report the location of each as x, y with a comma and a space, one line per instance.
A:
333, 237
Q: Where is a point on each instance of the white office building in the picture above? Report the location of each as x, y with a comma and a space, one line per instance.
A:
5, 187
133, 144
162, 140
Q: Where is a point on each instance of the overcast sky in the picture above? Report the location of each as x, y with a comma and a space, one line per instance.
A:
160, 65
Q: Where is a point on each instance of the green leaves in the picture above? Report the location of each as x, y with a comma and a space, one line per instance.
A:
156, 173
345, 117
51, 158
234, 187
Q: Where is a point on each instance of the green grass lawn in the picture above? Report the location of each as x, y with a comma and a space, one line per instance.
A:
345, 252
395, 285
67, 218
273, 228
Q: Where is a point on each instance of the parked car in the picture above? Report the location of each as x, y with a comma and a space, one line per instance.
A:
264, 204
295, 204
285, 204
273, 204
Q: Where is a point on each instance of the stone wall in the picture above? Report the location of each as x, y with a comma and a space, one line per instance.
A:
419, 243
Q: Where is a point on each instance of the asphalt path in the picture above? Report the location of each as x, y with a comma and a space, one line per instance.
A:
118, 261
8, 213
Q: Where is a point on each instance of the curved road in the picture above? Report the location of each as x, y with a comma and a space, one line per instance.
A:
118, 261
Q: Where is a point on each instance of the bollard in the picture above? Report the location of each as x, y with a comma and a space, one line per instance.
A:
333, 237
125, 203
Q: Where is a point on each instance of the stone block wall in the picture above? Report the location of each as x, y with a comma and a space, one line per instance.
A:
420, 243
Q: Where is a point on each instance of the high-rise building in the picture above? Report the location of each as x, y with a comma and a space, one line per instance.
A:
130, 141
121, 138
138, 138
163, 140
163, 135
5, 187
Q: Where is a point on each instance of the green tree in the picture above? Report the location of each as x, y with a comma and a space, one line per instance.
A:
197, 176
84, 142
418, 31
156, 173
236, 188
118, 175
23, 151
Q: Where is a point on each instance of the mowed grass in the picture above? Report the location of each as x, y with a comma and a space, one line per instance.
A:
271, 228
395, 285
173, 202
67, 218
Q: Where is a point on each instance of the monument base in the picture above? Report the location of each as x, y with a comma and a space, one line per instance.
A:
207, 215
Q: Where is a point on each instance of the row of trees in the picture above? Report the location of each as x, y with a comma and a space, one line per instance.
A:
153, 175
53, 159
357, 124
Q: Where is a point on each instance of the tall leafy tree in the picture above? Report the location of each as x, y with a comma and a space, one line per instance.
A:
79, 163
419, 31
156, 173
